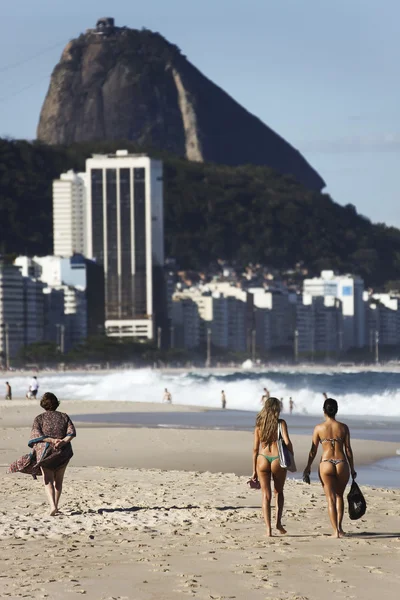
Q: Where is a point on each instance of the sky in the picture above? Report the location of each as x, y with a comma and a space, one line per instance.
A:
323, 74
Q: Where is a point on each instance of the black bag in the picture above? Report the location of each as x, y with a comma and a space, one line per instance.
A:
357, 503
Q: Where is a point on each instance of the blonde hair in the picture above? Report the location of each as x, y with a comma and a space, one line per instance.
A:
267, 421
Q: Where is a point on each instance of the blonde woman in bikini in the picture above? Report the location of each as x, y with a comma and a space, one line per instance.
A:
266, 460
336, 462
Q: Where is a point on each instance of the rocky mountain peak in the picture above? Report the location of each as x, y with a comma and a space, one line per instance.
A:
116, 83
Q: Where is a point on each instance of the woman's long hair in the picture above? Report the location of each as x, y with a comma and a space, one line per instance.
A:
267, 421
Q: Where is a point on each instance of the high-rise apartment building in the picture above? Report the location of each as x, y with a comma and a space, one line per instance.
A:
69, 214
125, 233
349, 289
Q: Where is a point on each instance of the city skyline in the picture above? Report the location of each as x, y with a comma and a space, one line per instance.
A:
343, 118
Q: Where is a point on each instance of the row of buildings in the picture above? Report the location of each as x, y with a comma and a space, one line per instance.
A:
49, 299
331, 315
107, 275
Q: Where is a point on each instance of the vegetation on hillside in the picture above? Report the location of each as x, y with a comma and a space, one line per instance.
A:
243, 214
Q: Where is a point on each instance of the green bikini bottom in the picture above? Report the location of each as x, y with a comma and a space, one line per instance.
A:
270, 459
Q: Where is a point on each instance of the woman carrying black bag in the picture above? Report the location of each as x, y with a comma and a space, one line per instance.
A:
336, 462
266, 463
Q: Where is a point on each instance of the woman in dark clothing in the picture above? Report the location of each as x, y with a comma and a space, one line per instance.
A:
50, 441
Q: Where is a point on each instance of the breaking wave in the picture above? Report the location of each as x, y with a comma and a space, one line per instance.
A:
358, 393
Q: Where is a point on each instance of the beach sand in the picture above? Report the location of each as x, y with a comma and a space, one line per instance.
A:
166, 514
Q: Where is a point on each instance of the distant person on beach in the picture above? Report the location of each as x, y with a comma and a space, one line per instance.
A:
33, 388
265, 396
281, 404
223, 399
8, 391
50, 441
325, 395
291, 405
167, 396
336, 463
266, 460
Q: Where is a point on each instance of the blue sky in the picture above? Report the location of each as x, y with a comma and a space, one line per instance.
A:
323, 74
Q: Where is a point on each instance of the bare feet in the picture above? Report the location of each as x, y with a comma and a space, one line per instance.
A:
342, 533
53, 512
281, 528
269, 533
336, 535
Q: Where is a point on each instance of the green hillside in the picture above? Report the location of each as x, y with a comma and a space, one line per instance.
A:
246, 213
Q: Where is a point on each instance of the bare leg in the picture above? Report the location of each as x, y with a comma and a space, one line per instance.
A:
342, 474
279, 476
58, 483
48, 480
340, 513
327, 473
264, 477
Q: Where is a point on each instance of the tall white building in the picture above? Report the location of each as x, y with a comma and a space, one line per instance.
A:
349, 290
69, 214
125, 234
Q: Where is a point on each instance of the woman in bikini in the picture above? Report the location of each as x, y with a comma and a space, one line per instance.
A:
266, 460
50, 440
336, 462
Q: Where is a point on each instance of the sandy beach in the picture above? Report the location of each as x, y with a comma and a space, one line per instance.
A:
152, 513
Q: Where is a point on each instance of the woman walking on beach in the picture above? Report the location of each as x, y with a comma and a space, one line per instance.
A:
266, 460
336, 462
50, 441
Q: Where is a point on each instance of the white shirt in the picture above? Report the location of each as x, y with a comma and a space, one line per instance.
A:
34, 385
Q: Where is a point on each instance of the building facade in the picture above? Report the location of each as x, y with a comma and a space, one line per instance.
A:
349, 289
185, 322
282, 315
125, 234
383, 320
69, 214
